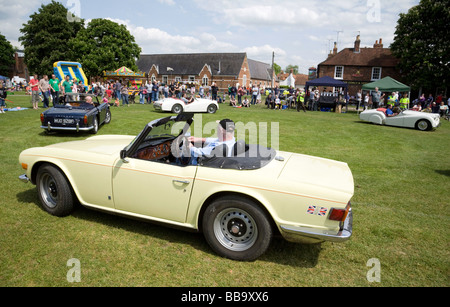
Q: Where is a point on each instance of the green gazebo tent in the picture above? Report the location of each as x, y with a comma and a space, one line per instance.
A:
387, 84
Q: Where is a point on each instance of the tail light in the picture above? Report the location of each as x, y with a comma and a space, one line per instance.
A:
42, 117
339, 214
85, 119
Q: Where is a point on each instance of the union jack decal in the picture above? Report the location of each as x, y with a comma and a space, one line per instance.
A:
311, 210
322, 211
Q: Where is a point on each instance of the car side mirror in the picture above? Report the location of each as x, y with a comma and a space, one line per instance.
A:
123, 156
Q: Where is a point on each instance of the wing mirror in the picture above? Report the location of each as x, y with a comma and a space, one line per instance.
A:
123, 156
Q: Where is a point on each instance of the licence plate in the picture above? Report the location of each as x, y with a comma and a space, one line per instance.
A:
64, 121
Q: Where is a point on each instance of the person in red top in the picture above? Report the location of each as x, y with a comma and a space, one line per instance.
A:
34, 85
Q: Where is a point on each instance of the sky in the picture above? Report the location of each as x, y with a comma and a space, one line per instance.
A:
299, 32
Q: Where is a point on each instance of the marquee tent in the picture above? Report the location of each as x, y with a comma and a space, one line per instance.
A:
326, 81
387, 84
124, 72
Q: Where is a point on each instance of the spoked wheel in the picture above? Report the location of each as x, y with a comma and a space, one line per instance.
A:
237, 228
423, 125
211, 109
54, 191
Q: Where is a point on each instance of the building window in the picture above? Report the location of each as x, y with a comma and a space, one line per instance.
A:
178, 79
339, 72
205, 80
165, 79
376, 73
191, 78
153, 78
244, 81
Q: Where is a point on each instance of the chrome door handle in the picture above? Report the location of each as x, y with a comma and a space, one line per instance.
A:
181, 181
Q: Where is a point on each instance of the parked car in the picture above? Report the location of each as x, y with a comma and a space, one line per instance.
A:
409, 119
239, 202
177, 106
72, 113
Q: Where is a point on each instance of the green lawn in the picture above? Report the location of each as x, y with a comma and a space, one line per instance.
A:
401, 213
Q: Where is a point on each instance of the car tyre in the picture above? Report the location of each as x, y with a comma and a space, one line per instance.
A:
55, 192
95, 124
177, 108
211, 109
108, 117
423, 125
237, 228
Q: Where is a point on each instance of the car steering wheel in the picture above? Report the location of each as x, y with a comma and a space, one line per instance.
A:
180, 149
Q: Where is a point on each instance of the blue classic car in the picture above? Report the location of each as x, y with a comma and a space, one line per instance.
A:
76, 112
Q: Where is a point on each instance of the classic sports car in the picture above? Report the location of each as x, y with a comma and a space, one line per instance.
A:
74, 114
177, 106
408, 118
239, 202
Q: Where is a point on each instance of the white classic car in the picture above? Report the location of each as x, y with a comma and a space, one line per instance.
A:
409, 119
177, 106
239, 202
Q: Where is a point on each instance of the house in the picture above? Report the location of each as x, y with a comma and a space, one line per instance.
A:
223, 69
291, 79
358, 66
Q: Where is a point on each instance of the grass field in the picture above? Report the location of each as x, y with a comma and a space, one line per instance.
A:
401, 213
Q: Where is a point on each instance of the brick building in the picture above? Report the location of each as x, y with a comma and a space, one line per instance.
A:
357, 66
224, 69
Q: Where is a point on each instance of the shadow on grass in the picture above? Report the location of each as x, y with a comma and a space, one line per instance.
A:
280, 251
443, 172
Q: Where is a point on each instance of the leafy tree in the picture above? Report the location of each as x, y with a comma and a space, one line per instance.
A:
45, 37
293, 67
276, 68
104, 46
6, 56
422, 43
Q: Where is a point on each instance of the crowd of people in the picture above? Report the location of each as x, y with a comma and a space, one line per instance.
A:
117, 92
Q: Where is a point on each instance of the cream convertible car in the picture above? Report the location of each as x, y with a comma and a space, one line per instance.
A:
238, 202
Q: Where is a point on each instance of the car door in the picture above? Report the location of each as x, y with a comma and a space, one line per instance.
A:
153, 189
397, 120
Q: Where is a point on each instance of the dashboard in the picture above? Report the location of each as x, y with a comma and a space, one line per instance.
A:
155, 152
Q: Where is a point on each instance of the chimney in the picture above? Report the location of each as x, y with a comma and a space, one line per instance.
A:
335, 48
378, 45
357, 45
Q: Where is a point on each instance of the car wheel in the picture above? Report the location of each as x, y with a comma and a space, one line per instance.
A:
95, 124
423, 125
108, 117
237, 228
177, 109
211, 109
55, 193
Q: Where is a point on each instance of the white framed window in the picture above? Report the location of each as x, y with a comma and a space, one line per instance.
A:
153, 78
165, 79
205, 80
376, 73
177, 79
339, 72
191, 78
244, 80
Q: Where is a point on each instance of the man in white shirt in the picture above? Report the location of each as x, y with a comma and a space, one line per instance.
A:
225, 136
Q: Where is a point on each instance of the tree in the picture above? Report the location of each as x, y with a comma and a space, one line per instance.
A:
422, 43
293, 67
276, 68
6, 56
104, 46
45, 37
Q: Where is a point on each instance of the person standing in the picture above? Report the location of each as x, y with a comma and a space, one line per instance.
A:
255, 94
54, 89
44, 86
3, 95
214, 90
376, 98
34, 86
404, 102
124, 94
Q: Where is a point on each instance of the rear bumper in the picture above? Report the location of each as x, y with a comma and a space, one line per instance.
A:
311, 235
77, 128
